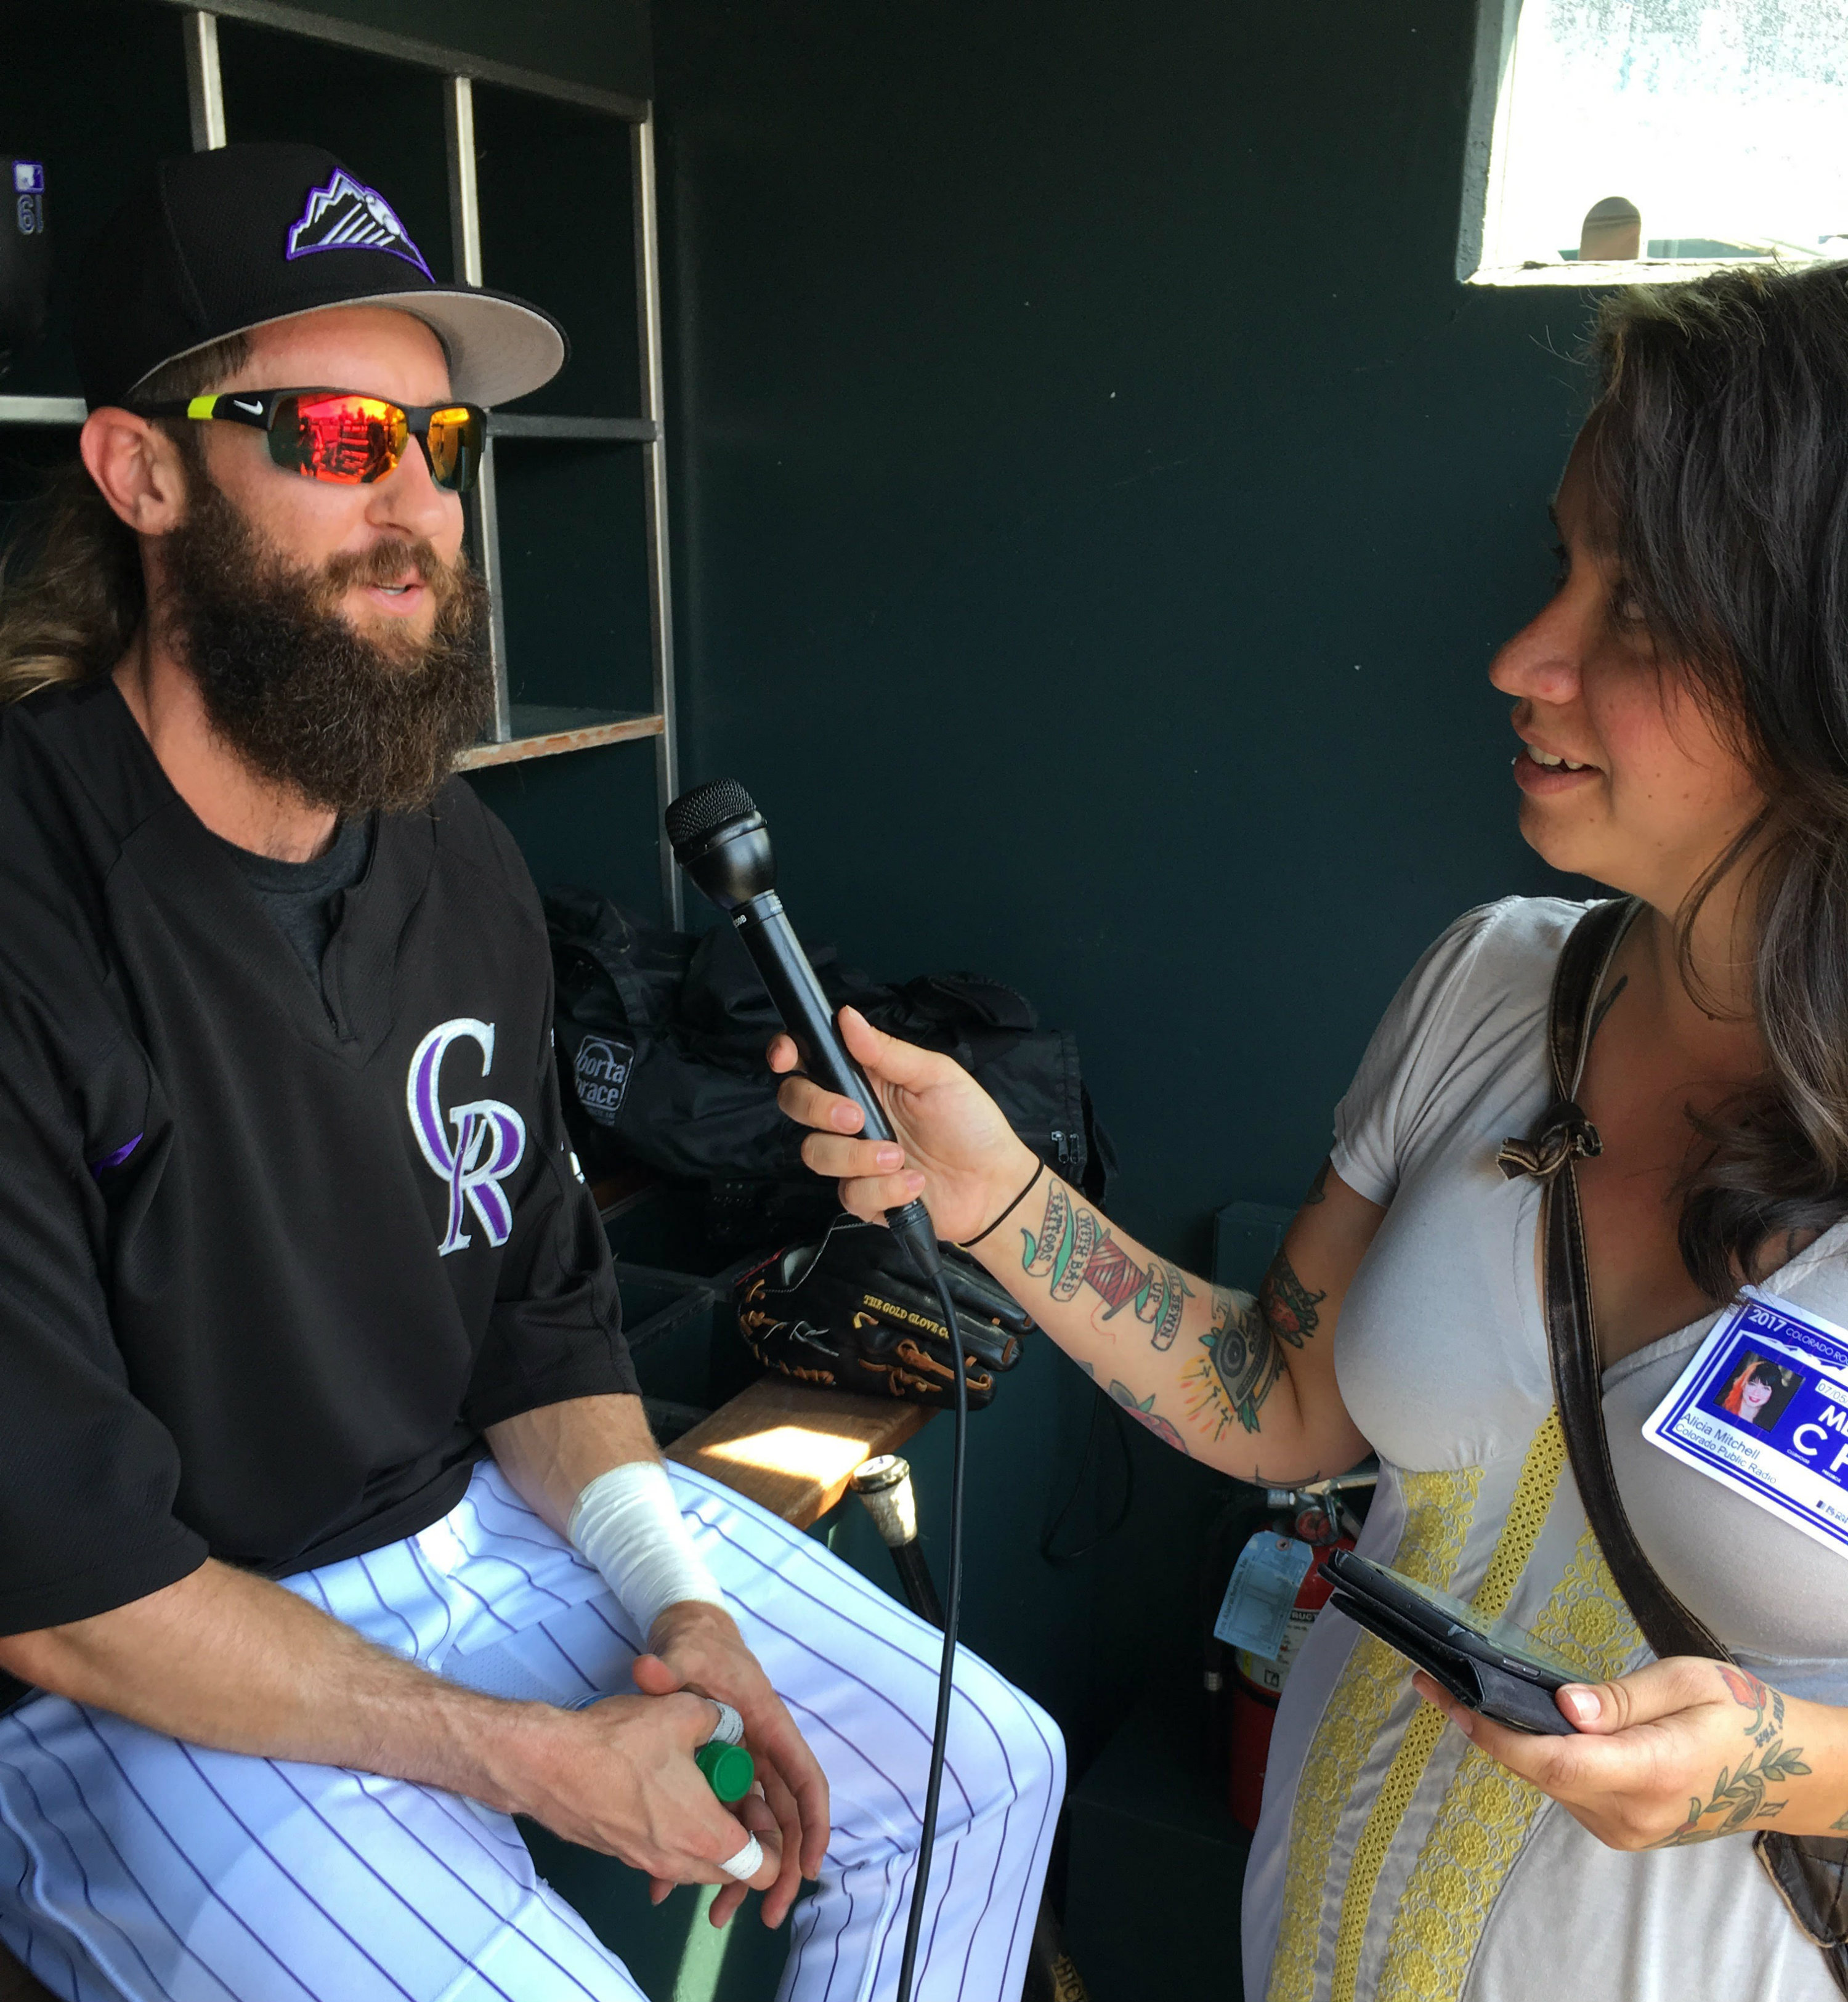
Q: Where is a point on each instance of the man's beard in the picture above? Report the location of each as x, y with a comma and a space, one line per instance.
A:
302, 697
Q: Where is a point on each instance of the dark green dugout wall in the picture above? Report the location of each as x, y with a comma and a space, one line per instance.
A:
1098, 503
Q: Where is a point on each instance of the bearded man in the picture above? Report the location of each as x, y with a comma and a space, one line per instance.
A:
331, 1531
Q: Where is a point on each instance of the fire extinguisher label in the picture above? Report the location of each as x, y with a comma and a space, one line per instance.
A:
1255, 1613
1271, 1673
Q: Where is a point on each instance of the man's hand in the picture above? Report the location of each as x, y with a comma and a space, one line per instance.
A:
1680, 1752
699, 1647
619, 1776
549, 1454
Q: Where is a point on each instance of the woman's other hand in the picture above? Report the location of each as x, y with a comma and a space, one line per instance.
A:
953, 1148
1679, 1751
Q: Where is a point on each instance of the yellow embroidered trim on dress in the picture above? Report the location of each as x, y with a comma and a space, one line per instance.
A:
1487, 1813
1526, 1517
1439, 1508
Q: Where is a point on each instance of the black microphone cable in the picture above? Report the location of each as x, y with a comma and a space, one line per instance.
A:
932, 1266
719, 838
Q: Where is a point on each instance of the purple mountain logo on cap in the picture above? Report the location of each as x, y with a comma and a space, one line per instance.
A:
347, 215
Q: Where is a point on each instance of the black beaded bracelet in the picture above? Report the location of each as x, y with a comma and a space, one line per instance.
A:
969, 1243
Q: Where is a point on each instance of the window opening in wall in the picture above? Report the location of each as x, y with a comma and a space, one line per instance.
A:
1613, 139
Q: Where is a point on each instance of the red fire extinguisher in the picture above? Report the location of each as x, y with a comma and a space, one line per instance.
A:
1255, 1682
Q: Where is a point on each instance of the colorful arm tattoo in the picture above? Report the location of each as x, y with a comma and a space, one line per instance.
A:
1244, 1349
1146, 1416
1074, 1250
1738, 1793
1142, 1410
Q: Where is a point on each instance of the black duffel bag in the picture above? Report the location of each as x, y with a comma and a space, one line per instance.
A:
661, 1037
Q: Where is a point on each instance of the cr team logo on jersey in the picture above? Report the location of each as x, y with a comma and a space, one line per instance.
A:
474, 1147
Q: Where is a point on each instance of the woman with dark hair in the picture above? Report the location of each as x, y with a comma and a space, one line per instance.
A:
1682, 703
1753, 1387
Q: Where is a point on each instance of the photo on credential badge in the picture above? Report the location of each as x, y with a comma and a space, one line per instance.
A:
1758, 1391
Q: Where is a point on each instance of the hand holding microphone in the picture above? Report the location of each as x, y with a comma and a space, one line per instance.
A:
950, 1145
951, 1124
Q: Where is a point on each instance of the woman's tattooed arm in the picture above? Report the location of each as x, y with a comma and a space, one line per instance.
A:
1074, 1249
1244, 1349
1738, 1797
1199, 1365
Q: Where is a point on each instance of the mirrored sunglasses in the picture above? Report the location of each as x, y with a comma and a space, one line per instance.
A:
350, 439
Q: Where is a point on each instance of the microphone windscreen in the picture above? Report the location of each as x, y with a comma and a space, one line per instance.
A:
696, 814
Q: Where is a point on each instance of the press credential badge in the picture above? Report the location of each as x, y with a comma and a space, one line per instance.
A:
1763, 1410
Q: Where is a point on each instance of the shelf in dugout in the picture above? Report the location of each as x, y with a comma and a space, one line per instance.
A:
56, 410
543, 730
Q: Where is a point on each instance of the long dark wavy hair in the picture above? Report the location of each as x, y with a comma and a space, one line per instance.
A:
1719, 452
70, 588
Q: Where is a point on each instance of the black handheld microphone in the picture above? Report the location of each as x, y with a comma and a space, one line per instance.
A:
720, 839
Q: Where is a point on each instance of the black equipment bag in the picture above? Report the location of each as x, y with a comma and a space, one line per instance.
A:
661, 1036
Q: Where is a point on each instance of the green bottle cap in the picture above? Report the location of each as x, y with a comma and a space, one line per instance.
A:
728, 1769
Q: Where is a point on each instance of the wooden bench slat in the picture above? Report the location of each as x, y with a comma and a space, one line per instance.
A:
792, 1450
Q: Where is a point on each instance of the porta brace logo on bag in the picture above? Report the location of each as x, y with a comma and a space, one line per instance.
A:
602, 1072
489, 1137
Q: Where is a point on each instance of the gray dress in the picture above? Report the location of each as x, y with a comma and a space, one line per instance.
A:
1393, 1859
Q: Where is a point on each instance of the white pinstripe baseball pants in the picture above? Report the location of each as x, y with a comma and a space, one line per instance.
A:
133, 1865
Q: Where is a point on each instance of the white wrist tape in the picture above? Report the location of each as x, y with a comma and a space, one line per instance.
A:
627, 1524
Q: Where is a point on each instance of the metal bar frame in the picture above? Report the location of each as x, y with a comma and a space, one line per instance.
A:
661, 600
589, 430
484, 508
55, 411
426, 55
465, 197
204, 86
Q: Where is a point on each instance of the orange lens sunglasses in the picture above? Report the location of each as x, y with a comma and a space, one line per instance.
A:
350, 439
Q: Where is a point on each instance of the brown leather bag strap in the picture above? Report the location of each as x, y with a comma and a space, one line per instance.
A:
1564, 1136
1811, 1872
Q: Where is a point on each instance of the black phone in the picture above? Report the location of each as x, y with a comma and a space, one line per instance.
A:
1490, 1666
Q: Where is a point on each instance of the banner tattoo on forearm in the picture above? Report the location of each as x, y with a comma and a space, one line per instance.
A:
1073, 1249
1243, 1348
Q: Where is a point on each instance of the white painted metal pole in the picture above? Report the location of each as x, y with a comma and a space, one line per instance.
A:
484, 514
660, 599
204, 87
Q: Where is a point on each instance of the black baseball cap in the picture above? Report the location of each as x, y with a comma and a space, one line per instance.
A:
216, 243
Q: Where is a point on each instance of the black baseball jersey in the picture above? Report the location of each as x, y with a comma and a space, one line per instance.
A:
270, 1258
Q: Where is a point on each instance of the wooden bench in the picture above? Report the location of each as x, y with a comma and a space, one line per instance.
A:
793, 1449
790, 1448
